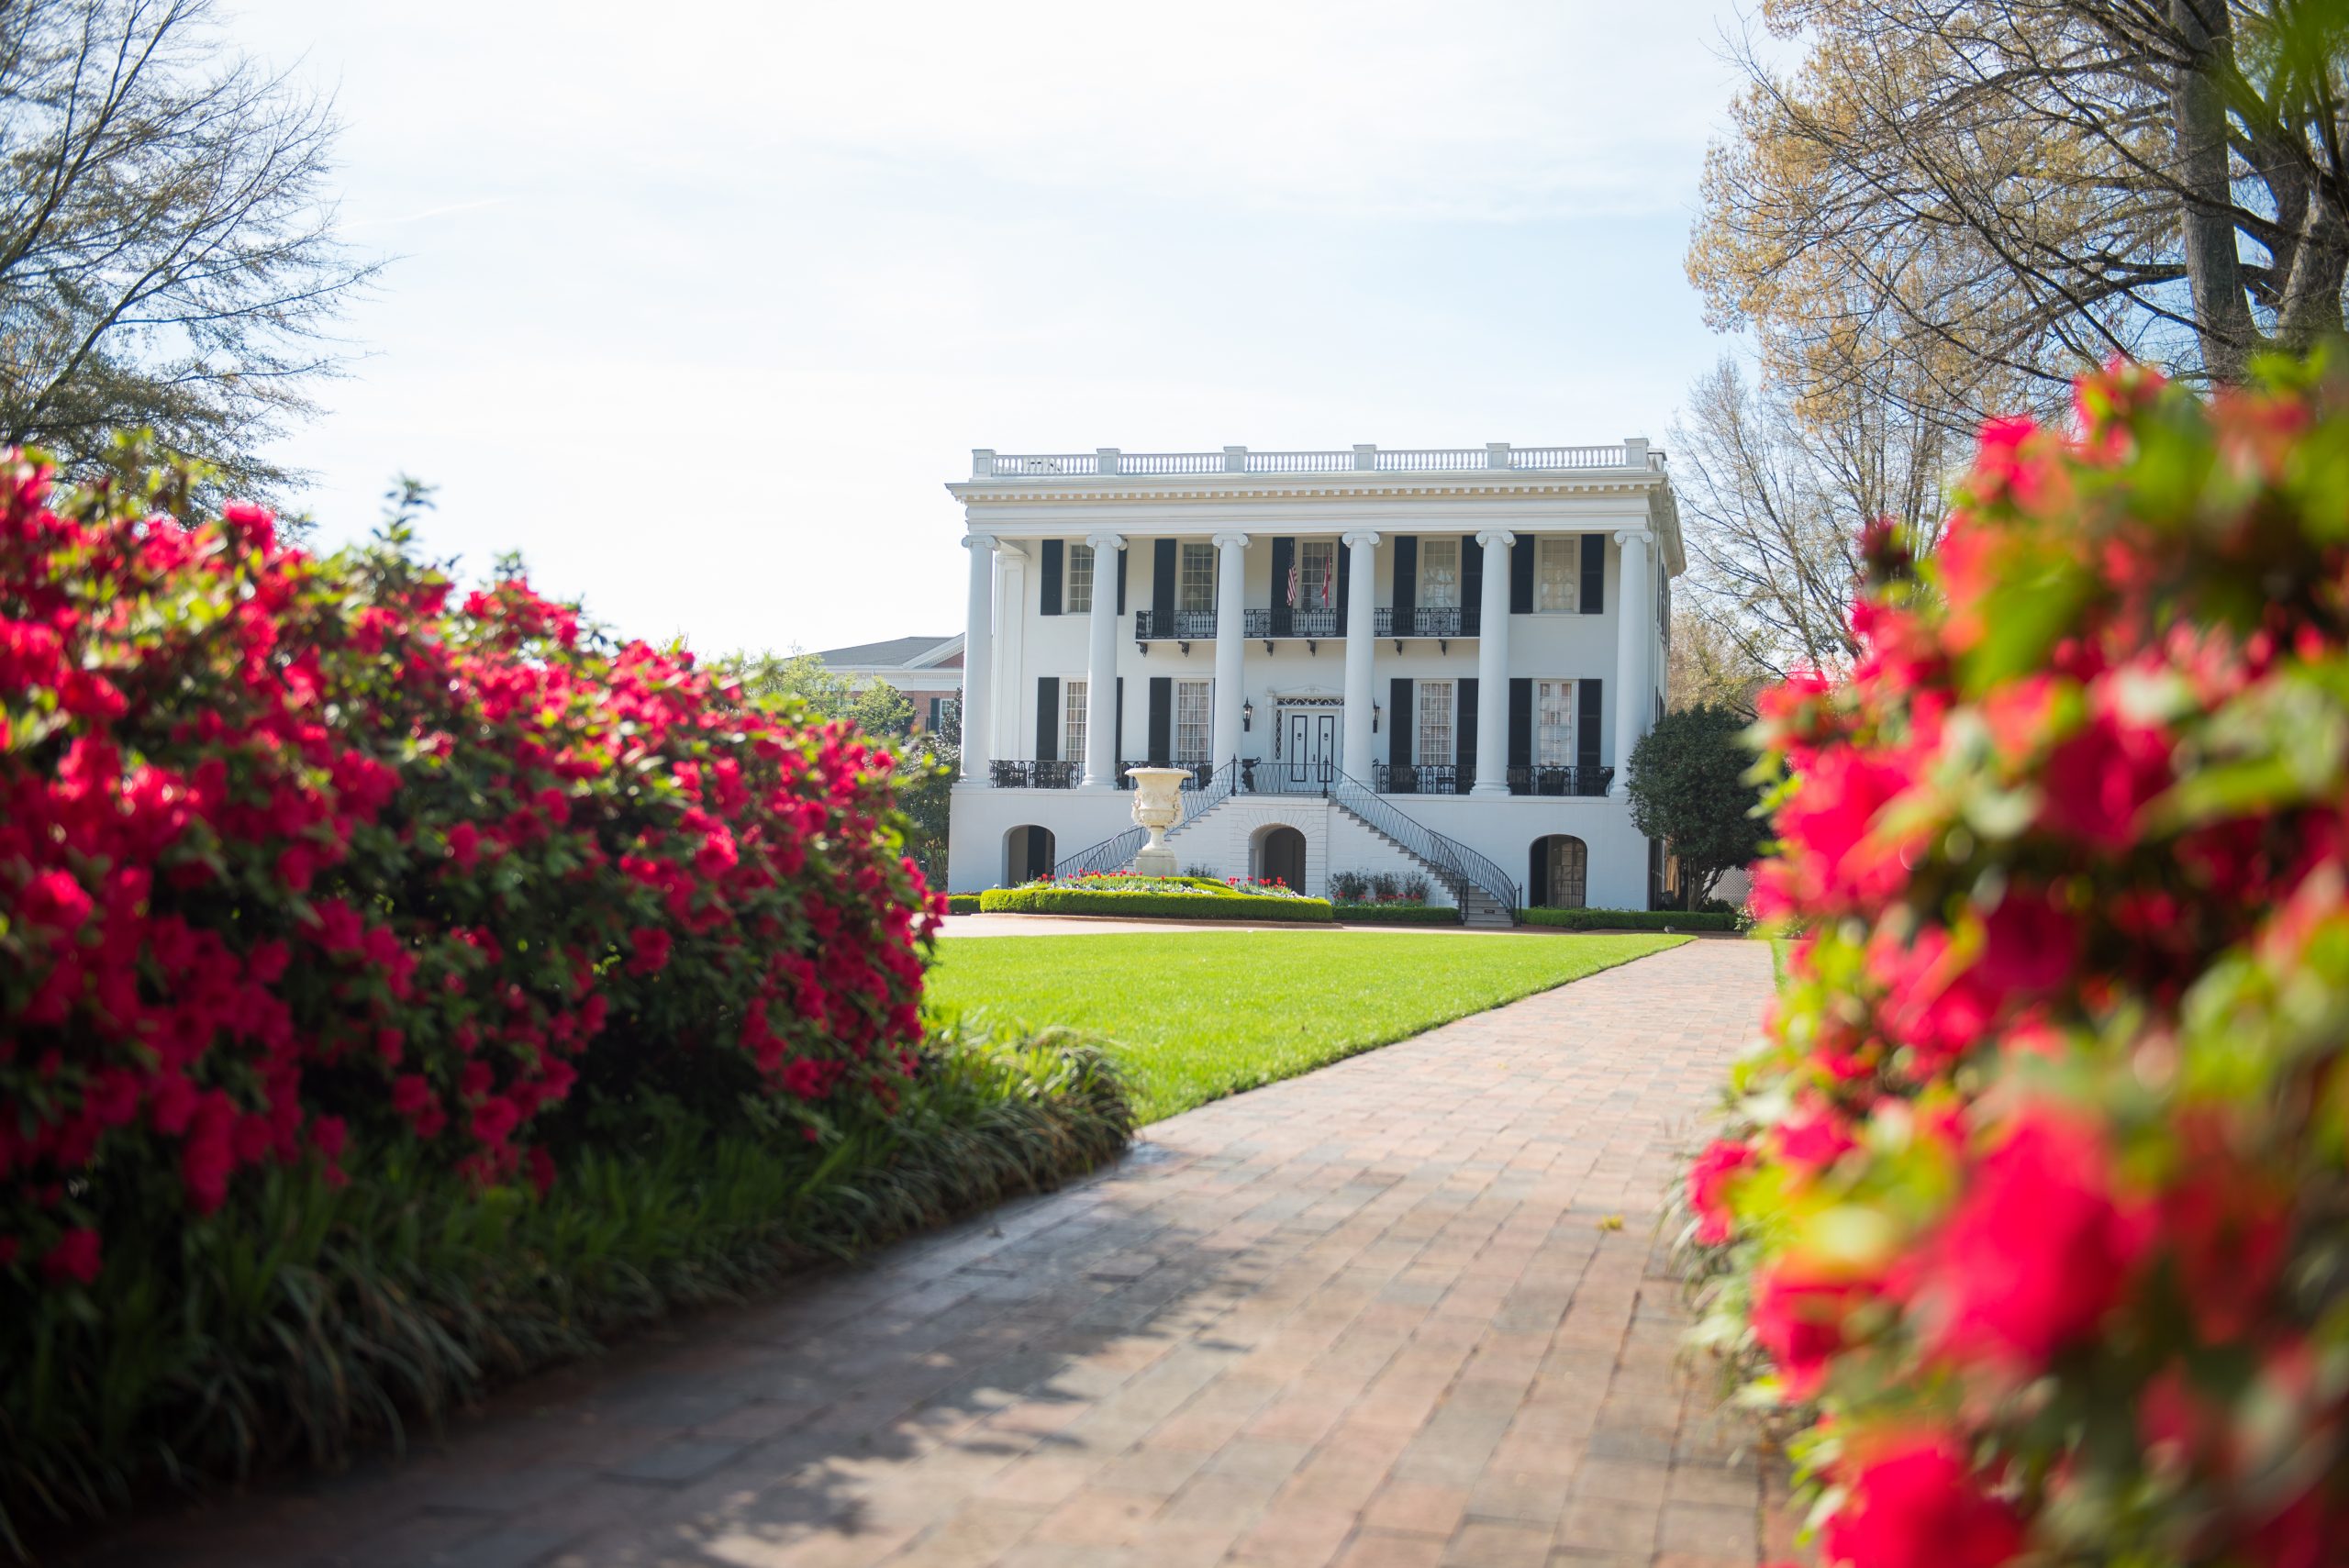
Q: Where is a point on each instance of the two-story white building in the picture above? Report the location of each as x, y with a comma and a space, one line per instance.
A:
1417, 661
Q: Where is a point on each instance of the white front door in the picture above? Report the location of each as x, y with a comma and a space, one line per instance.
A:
1308, 748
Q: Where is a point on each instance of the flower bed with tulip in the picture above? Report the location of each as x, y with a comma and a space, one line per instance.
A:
395, 994
1188, 899
2032, 1219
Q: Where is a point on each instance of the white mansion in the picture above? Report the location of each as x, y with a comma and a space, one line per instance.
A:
1430, 662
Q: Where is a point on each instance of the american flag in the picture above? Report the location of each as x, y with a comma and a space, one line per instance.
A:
1294, 581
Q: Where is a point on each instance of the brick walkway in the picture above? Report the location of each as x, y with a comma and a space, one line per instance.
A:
1368, 1318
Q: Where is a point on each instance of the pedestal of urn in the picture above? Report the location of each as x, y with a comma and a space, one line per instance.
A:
1158, 805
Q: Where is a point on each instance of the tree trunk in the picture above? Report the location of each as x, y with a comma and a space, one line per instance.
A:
2311, 307
2214, 271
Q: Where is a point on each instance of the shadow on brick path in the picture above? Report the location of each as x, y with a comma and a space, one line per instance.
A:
1370, 1317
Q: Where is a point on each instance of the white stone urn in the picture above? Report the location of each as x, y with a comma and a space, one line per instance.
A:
1158, 805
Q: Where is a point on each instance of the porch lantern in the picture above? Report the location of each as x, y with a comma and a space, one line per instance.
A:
1375, 711
1247, 716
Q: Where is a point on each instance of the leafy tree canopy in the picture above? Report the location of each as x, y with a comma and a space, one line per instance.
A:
1689, 787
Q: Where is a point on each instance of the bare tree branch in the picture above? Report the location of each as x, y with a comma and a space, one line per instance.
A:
168, 255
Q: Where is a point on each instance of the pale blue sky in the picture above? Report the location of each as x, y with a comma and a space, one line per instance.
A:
700, 305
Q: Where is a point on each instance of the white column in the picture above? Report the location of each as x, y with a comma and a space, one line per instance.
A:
978, 657
1492, 667
1101, 667
1230, 647
1634, 631
1362, 592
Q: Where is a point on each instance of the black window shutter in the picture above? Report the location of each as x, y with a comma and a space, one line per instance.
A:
1118, 734
1587, 732
1121, 575
1537, 874
1520, 721
1047, 718
1464, 736
1345, 578
1051, 604
1594, 574
1521, 576
1406, 579
1162, 555
1283, 558
1472, 574
1161, 719
1398, 722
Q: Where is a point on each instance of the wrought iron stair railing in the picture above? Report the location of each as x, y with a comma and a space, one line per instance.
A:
1459, 866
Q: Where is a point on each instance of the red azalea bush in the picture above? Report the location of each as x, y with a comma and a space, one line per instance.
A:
2034, 1213
299, 862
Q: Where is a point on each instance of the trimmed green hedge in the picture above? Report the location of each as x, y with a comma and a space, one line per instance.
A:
1398, 915
1150, 905
961, 904
1628, 919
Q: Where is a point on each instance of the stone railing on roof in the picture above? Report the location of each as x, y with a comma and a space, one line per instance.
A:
1494, 457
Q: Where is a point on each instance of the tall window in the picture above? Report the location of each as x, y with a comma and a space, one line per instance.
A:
1073, 716
1557, 570
1197, 583
1435, 723
1316, 574
1554, 724
1440, 574
1078, 598
1192, 711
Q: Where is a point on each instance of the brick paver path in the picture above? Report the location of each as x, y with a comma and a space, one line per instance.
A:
1370, 1317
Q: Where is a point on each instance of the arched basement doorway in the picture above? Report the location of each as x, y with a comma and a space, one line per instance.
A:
1558, 872
1280, 856
1027, 854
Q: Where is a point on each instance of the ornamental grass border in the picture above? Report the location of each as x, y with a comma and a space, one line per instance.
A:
305, 1322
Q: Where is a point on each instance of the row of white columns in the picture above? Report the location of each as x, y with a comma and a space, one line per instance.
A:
1635, 636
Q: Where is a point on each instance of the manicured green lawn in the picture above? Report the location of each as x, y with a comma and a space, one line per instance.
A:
1196, 1016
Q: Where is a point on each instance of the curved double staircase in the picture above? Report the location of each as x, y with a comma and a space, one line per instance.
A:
1485, 893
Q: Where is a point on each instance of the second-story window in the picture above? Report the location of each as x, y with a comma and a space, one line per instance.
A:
1316, 574
1078, 598
1197, 583
1440, 574
1557, 563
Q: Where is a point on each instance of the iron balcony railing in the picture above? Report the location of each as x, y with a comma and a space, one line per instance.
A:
1295, 775
1552, 780
1205, 789
1458, 866
1282, 621
1035, 775
1421, 778
1202, 772
1179, 625
1428, 620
